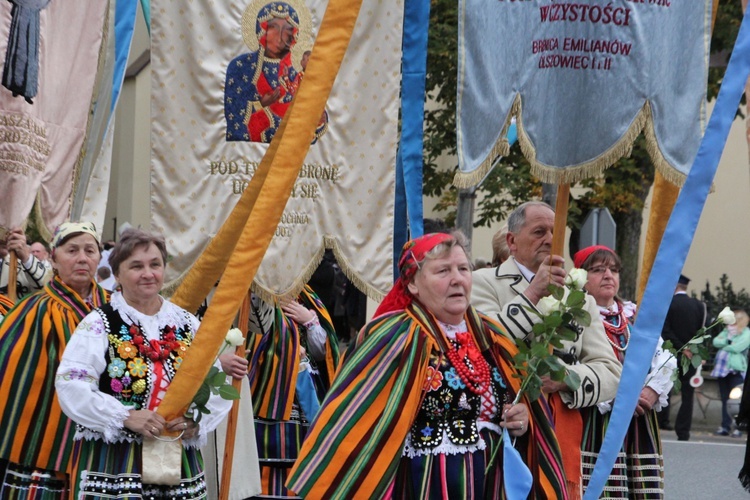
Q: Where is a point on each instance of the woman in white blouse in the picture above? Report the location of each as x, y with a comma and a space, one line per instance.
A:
115, 372
639, 469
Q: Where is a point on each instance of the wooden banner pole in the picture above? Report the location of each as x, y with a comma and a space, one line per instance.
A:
561, 219
12, 276
226, 470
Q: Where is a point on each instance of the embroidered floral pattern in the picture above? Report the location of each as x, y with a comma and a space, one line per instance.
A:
434, 380
137, 368
129, 368
116, 368
126, 350
451, 376
451, 410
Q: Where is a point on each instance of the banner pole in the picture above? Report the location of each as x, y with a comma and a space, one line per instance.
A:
12, 276
226, 470
561, 219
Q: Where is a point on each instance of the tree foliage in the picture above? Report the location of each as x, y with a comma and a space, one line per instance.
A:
622, 189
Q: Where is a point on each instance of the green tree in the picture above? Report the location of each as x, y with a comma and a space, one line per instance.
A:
622, 188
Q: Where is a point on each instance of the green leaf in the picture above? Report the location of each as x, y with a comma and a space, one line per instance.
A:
229, 392
677, 385
572, 380
201, 397
218, 379
559, 375
539, 351
211, 372
696, 361
582, 317
576, 298
556, 291
566, 333
553, 320
538, 329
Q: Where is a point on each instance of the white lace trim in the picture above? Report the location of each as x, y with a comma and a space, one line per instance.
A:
168, 315
452, 330
119, 436
446, 447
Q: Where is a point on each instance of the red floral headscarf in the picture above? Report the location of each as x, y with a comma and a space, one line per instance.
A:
412, 255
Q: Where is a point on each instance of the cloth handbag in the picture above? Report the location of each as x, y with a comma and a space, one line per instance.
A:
162, 461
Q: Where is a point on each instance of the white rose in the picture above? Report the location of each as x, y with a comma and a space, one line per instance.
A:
234, 337
576, 278
727, 316
547, 305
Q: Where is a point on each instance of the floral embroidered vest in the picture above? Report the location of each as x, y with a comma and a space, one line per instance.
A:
449, 408
128, 375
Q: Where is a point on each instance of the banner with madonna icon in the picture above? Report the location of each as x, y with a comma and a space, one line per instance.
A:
224, 75
583, 79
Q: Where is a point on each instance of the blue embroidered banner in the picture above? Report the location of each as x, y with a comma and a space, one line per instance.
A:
583, 79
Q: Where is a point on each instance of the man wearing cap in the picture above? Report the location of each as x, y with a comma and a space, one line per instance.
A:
685, 317
511, 291
32, 273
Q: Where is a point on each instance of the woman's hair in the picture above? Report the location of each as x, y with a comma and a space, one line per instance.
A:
130, 240
458, 239
500, 250
604, 257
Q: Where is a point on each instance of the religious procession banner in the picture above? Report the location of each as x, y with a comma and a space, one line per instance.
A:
92, 189
51, 54
583, 79
224, 75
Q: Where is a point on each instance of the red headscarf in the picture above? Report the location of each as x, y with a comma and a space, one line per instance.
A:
412, 255
580, 257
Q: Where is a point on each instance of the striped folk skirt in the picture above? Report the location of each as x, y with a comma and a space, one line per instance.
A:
30, 483
278, 446
638, 472
105, 470
452, 477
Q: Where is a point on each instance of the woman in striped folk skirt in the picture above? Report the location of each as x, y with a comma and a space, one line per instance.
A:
638, 472
36, 438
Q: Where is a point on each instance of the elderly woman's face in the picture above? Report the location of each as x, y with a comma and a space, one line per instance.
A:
443, 286
141, 275
76, 260
603, 282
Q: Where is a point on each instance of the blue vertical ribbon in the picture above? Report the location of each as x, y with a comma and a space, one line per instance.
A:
671, 256
517, 477
125, 13
146, 7
409, 158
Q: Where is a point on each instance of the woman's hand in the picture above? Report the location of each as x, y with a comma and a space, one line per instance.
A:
515, 419
145, 422
299, 313
646, 401
233, 365
181, 424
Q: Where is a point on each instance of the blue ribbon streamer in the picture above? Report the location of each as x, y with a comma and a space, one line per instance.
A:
517, 477
413, 74
125, 12
671, 257
146, 7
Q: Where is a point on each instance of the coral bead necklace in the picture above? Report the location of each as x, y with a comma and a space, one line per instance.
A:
470, 365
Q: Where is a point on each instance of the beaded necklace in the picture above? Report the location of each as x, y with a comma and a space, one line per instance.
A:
155, 350
472, 368
619, 331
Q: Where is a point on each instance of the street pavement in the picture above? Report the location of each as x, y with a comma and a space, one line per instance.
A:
705, 467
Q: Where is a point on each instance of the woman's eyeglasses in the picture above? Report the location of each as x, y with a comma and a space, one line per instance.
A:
603, 269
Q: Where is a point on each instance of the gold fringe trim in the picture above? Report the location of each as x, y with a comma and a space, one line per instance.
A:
670, 174
591, 168
472, 179
643, 122
299, 283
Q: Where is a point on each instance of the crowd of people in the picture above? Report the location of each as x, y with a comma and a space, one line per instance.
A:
423, 401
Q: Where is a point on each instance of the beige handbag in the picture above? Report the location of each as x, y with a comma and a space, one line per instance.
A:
162, 461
